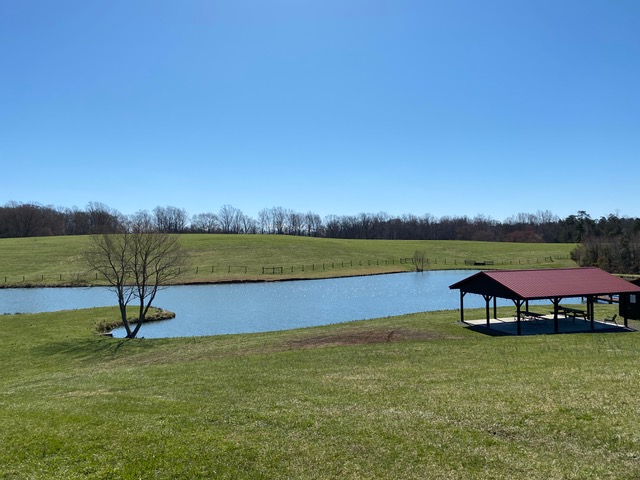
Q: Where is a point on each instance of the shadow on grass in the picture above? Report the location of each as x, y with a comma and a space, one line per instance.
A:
98, 348
491, 332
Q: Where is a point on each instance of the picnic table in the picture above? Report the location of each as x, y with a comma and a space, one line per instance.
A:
572, 312
529, 315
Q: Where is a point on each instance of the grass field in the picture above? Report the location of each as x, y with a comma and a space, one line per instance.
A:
411, 397
221, 258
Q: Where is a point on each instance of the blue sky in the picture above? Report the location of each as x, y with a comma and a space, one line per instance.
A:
458, 107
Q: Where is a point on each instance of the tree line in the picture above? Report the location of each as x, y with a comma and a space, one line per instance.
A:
32, 219
611, 242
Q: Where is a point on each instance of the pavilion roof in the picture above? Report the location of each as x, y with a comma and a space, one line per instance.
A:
549, 283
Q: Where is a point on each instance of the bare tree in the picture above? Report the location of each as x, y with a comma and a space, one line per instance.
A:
313, 223
265, 218
419, 260
171, 219
23, 219
247, 224
136, 263
279, 217
101, 218
204, 222
228, 218
296, 222
108, 256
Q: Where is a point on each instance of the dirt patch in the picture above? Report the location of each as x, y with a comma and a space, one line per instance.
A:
363, 337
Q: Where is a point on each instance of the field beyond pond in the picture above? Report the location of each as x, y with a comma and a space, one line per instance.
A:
50, 261
411, 397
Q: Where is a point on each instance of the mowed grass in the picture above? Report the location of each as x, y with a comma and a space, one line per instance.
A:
222, 258
416, 396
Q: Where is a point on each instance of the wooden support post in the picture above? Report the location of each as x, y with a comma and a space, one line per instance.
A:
556, 304
487, 299
518, 307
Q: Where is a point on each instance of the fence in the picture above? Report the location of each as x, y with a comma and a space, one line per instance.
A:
236, 271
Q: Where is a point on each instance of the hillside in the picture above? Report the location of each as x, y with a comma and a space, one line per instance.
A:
51, 261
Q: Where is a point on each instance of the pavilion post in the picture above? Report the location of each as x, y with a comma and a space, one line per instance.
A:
462, 306
556, 304
487, 299
518, 306
495, 307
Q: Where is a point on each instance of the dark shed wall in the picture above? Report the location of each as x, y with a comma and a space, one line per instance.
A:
630, 304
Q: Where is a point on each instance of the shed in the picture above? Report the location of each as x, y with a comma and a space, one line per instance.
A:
554, 285
629, 306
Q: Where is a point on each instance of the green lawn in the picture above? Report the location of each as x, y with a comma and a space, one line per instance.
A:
220, 258
416, 396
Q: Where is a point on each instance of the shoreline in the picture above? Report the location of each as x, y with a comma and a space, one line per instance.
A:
223, 282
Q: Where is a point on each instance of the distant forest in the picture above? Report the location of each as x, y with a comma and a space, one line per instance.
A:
611, 242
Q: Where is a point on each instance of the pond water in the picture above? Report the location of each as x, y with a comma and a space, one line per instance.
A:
259, 307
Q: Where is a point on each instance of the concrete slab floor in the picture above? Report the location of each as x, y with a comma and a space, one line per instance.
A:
544, 326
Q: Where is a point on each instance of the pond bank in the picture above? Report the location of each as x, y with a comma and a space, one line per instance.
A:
155, 314
249, 279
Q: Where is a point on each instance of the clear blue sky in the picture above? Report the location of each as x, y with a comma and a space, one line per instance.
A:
457, 107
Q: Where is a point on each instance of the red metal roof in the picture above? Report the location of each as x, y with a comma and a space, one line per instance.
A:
532, 284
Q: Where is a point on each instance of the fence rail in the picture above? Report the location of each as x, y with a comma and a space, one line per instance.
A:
208, 271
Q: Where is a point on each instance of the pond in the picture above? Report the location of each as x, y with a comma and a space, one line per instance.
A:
259, 307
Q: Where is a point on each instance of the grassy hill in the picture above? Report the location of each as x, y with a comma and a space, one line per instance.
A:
221, 258
411, 397
414, 396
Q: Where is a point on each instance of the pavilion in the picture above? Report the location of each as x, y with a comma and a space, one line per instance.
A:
554, 285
